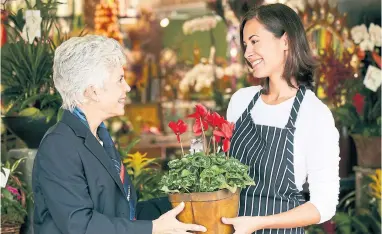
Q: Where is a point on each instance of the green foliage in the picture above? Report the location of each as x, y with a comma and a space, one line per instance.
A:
143, 172
201, 173
366, 219
27, 69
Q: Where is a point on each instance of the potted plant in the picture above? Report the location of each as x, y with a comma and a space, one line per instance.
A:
13, 200
362, 111
207, 179
30, 104
361, 114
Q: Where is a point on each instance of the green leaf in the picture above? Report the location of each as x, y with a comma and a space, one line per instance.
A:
60, 113
31, 112
16, 164
185, 173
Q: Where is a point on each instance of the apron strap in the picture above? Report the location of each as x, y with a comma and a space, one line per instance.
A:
249, 108
296, 107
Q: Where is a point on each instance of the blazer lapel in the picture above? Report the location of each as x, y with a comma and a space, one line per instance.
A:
93, 145
98, 151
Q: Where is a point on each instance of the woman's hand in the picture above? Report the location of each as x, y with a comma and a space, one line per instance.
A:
168, 224
245, 224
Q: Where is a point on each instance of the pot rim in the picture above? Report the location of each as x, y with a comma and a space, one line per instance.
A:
202, 196
358, 135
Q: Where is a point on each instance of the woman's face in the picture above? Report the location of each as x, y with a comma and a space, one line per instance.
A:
266, 53
112, 96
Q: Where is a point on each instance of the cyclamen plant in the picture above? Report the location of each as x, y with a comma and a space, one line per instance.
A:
208, 169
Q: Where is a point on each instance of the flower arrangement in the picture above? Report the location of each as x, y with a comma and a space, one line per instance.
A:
200, 76
362, 109
206, 168
13, 198
367, 39
205, 23
203, 75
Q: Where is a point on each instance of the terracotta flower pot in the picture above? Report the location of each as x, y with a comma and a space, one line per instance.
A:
368, 151
207, 209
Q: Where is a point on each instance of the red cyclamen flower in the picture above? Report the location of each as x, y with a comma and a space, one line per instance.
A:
178, 128
226, 132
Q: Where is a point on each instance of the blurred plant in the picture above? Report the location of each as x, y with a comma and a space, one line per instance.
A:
365, 220
144, 173
27, 69
13, 197
362, 110
348, 220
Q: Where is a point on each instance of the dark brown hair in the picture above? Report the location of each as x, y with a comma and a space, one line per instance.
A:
279, 19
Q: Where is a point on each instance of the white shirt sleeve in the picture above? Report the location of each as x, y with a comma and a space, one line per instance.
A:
322, 161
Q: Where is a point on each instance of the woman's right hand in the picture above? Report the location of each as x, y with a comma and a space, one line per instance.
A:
168, 224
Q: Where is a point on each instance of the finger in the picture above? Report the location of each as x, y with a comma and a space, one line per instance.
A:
228, 220
177, 209
194, 227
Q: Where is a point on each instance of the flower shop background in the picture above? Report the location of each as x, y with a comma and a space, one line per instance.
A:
182, 53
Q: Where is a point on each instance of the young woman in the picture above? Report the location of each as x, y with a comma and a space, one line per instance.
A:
283, 132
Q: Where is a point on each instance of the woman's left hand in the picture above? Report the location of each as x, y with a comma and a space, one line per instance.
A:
245, 224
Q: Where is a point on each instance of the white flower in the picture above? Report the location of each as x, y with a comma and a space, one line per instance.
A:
367, 45
32, 27
375, 34
204, 23
200, 76
359, 33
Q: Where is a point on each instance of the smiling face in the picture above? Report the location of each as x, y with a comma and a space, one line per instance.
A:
112, 97
266, 53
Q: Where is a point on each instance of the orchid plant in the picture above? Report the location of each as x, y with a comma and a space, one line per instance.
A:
206, 168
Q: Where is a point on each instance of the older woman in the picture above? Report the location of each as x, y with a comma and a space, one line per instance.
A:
79, 183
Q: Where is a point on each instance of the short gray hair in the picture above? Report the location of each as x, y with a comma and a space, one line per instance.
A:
83, 61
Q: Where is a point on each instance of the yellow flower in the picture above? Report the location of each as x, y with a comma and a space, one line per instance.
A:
137, 163
375, 185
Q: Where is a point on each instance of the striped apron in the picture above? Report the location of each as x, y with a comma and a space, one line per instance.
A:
268, 151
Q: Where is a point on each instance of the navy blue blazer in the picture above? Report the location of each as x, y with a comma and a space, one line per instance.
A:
76, 187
